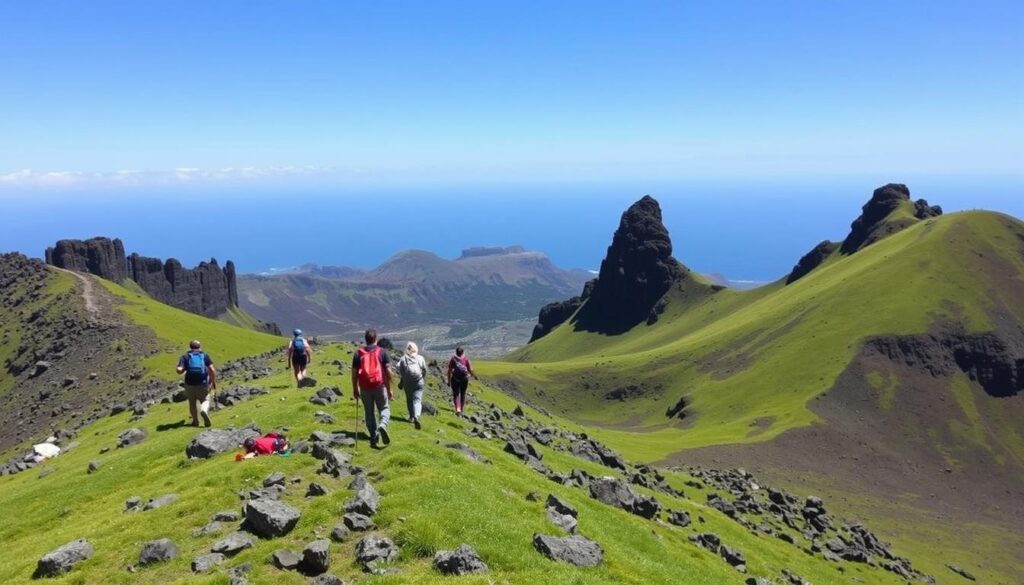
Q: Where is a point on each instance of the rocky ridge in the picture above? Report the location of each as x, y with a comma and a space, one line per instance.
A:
207, 289
880, 217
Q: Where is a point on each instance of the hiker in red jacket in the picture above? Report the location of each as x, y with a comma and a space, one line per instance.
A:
371, 380
459, 371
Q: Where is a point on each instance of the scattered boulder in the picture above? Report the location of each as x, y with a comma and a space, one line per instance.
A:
307, 382
467, 451
40, 368
285, 559
358, 522
339, 533
63, 559
270, 518
575, 550
366, 500
132, 503
373, 550
276, 478
160, 502
316, 490
211, 442
206, 563
461, 561
616, 492
679, 518
158, 551
522, 449
316, 557
130, 437
962, 572
94, 466
226, 516
233, 544
561, 514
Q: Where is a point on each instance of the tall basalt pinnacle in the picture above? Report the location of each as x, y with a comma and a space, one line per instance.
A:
638, 269
630, 287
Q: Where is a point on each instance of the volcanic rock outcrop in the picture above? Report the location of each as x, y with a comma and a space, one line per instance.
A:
872, 225
635, 274
207, 289
880, 217
103, 257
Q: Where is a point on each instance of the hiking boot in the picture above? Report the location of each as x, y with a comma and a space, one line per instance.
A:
384, 436
416, 422
373, 442
206, 420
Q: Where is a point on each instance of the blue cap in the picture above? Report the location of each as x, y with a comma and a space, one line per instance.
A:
297, 332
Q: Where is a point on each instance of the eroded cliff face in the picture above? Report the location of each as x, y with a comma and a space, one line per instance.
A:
103, 257
207, 289
994, 361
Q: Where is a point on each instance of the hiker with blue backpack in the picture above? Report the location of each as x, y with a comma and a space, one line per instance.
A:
371, 381
459, 371
200, 377
299, 355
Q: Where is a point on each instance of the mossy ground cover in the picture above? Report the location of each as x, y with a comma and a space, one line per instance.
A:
741, 358
175, 328
433, 499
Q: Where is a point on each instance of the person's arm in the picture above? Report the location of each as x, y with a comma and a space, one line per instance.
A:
387, 380
181, 365
355, 383
309, 352
449, 376
469, 367
213, 376
288, 355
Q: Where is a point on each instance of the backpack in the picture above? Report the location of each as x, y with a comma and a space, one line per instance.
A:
195, 368
411, 370
298, 346
460, 370
370, 373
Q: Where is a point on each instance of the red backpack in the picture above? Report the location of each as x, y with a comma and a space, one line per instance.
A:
370, 373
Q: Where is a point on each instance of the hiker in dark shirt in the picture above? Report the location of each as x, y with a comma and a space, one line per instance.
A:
371, 381
459, 371
200, 377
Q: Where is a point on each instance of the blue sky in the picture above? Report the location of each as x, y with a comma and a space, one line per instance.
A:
540, 121
372, 92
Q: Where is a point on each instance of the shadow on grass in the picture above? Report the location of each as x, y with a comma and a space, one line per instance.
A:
171, 426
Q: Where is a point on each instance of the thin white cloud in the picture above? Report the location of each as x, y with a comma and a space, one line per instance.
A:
28, 178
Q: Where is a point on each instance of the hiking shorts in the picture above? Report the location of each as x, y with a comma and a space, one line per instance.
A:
300, 360
197, 392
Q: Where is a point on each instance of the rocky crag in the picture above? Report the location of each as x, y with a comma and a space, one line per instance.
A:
207, 289
889, 210
635, 275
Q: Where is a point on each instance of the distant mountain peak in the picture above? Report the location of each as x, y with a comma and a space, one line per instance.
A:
478, 251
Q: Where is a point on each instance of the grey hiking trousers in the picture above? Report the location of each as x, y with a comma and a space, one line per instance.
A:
414, 398
376, 398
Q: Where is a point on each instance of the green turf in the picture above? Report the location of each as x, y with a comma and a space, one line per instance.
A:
175, 328
433, 499
744, 357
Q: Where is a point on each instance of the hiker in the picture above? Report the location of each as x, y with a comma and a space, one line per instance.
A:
459, 371
200, 377
299, 354
411, 369
371, 380
268, 444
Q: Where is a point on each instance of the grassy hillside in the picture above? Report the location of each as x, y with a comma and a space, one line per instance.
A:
749, 362
433, 499
174, 329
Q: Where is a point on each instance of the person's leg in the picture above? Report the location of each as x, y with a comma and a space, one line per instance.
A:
297, 371
204, 406
381, 399
192, 401
410, 398
369, 415
455, 396
417, 404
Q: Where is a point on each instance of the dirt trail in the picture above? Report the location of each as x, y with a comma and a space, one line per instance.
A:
88, 291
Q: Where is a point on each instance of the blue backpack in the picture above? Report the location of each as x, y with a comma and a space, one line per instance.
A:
298, 346
195, 368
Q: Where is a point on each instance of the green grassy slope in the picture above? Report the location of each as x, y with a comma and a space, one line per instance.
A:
433, 499
175, 328
749, 362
